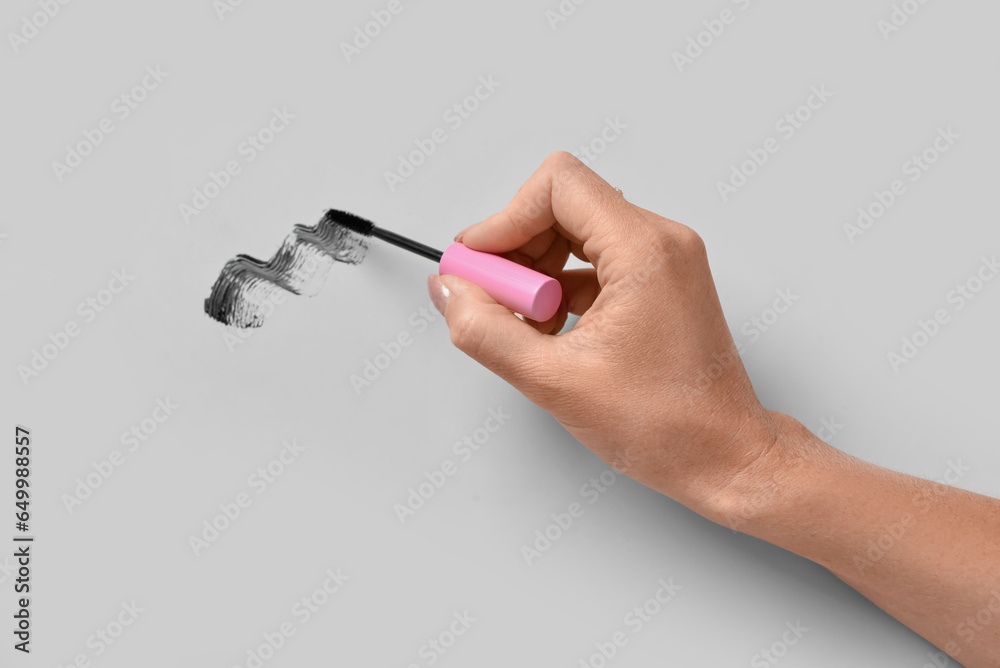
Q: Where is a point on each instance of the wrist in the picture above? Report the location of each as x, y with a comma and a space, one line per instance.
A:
775, 482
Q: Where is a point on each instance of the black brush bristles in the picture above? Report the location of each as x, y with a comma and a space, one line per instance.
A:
351, 222
366, 228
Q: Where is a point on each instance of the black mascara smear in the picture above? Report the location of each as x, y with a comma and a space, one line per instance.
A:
246, 288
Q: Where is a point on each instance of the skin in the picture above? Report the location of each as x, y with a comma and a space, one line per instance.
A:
650, 380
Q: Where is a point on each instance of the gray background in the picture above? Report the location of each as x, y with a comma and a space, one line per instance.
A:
333, 508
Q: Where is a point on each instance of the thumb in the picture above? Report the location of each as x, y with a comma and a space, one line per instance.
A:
492, 335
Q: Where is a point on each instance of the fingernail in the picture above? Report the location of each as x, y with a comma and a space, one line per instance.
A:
458, 237
438, 292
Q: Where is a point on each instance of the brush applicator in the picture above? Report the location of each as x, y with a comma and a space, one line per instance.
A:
522, 290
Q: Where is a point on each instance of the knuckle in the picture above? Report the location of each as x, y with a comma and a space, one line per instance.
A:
689, 241
660, 243
562, 160
675, 241
568, 173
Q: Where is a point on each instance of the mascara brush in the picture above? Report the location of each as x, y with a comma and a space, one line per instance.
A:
522, 290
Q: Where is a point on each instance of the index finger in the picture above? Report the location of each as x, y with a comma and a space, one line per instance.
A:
566, 195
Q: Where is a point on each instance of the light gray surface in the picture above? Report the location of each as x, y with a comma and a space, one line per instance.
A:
334, 507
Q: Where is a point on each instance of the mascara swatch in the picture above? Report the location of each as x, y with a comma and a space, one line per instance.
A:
244, 292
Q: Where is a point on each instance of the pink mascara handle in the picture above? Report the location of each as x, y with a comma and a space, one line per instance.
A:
522, 290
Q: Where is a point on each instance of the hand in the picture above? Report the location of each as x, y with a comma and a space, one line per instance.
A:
649, 378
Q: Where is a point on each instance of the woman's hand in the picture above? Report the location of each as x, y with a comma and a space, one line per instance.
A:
649, 378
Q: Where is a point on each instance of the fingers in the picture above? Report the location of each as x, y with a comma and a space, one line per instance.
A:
540, 243
580, 289
566, 196
553, 258
546, 253
493, 336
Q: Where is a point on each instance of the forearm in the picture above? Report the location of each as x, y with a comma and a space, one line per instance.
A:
926, 553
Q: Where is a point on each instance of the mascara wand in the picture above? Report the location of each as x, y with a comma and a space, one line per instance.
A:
367, 228
520, 289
